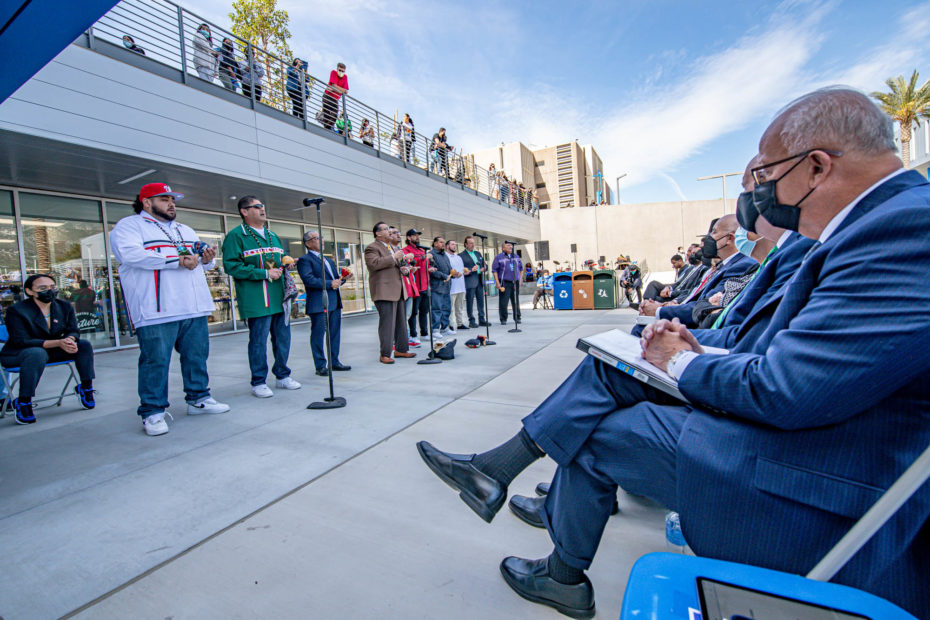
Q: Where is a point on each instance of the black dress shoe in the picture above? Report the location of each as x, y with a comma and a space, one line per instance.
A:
530, 579
542, 489
461, 327
472, 325
528, 509
341, 367
484, 324
483, 494
323, 372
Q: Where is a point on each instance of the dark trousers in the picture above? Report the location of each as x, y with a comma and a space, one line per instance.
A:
31, 363
440, 310
318, 336
604, 429
297, 104
510, 294
392, 326
420, 309
628, 291
475, 295
247, 91
259, 329
330, 110
653, 290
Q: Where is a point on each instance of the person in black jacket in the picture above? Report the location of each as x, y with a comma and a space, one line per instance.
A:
475, 269
42, 329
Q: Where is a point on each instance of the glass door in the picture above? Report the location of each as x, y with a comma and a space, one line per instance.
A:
349, 260
11, 277
291, 236
64, 237
210, 230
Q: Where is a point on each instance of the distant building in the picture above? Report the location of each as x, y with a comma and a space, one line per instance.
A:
565, 175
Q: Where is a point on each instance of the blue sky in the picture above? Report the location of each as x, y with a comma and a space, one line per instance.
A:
666, 91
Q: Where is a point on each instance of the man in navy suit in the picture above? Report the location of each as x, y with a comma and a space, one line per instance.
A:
309, 268
719, 243
787, 440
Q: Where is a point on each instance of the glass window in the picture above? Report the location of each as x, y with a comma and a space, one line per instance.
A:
349, 258
64, 236
291, 236
10, 275
367, 239
210, 230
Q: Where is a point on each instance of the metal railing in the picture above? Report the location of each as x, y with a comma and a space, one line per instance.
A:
167, 33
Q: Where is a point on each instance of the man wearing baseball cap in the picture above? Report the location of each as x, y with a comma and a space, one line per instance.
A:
161, 271
419, 305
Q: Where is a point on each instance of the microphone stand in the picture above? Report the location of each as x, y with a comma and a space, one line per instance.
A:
331, 401
429, 307
487, 311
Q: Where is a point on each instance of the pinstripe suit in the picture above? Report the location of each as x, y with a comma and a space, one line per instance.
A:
793, 435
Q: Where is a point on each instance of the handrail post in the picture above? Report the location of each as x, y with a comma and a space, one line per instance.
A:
345, 119
251, 60
183, 45
91, 39
378, 130
302, 76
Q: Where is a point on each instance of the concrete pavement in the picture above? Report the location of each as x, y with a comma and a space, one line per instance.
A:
276, 511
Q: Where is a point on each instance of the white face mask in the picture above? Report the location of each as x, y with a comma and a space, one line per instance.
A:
743, 243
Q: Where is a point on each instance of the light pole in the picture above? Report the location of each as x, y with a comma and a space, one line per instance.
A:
722, 177
618, 186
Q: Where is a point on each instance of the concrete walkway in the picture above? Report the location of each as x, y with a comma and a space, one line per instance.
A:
276, 511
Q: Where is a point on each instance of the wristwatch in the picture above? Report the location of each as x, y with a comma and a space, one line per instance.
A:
674, 359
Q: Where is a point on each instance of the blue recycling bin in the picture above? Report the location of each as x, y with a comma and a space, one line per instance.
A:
562, 291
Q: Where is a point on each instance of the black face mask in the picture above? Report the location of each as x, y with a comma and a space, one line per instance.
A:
46, 296
709, 247
746, 212
696, 258
767, 205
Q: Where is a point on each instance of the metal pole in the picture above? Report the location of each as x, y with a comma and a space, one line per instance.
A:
251, 60
183, 46
723, 177
618, 186
345, 120
330, 402
378, 129
484, 287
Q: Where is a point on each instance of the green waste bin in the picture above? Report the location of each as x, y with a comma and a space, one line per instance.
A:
605, 289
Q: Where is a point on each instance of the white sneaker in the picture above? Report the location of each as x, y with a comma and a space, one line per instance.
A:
155, 424
287, 383
415, 339
438, 334
262, 391
207, 406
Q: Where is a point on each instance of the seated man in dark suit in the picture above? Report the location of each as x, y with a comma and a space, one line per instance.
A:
690, 280
315, 282
719, 243
43, 329
655, 288
807, 420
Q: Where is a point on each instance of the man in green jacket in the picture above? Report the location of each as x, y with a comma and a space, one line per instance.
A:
253, 256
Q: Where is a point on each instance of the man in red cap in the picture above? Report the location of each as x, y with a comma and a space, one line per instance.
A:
161, 270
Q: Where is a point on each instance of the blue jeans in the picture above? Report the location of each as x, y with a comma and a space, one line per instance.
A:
442, 306
259, 328
191, 339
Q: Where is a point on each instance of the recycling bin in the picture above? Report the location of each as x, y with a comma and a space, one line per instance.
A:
605, 289
562, 291
583, 290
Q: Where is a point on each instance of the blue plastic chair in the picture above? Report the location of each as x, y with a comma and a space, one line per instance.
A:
72, 376
665, 585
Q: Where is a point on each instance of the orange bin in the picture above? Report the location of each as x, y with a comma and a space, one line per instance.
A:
583, 290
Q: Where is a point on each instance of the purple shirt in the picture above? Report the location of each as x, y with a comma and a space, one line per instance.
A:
508, 267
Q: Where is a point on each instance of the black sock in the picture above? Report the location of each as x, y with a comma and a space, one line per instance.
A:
87, 385
507, 460
562, 572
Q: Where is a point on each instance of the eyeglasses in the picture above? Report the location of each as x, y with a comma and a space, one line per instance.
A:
257, 205
761, 173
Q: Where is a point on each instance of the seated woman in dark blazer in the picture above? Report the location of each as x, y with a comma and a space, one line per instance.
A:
43, 329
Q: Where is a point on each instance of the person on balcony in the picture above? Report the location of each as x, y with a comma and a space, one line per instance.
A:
43, 329
297, 75
407, 135
228, 66
252, 75
204, 54
130, 44
337, 87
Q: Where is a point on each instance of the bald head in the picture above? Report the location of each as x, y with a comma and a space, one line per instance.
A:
724, 233
822, 151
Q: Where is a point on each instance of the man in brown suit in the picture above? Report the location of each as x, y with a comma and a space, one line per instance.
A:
387, 291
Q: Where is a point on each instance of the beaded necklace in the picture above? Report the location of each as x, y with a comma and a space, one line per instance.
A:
177, 243
269, 264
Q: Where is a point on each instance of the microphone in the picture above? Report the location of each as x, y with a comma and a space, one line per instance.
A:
480, 236
308, 202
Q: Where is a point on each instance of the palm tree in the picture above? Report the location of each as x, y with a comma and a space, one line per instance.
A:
905, 103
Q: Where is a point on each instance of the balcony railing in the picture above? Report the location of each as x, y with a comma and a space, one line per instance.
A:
169, 35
